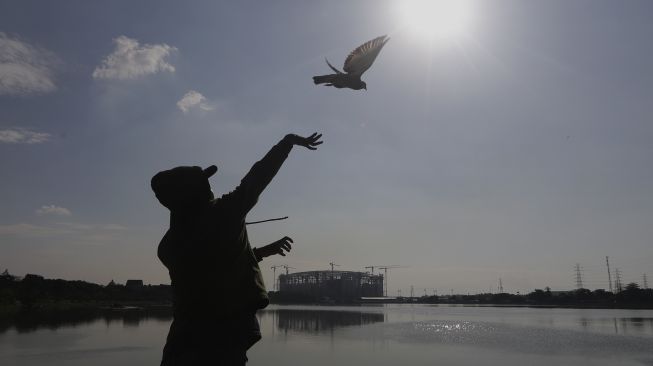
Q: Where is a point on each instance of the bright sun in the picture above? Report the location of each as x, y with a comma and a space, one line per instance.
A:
442, 19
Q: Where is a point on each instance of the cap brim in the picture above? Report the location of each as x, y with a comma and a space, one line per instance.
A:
208, 172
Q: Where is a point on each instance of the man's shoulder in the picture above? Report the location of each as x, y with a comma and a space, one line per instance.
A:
225, 209
221, 206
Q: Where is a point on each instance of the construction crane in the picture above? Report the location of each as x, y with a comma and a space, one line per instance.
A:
385, 277
333, 265
274, 277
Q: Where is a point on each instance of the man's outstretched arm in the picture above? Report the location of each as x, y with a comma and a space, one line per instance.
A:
260, 175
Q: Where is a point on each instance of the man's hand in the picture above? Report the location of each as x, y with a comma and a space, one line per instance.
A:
309, 142
278, 247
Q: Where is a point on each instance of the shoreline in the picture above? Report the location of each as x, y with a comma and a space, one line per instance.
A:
166, 308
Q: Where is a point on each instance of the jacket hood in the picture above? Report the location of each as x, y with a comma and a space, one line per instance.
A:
183, 187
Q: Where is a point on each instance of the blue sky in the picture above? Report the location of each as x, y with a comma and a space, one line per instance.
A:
512, 151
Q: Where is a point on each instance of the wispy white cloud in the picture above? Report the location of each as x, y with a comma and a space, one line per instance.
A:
131, 60
53, 210
23, 136
94, 233
24, 69
31, 231
194, 99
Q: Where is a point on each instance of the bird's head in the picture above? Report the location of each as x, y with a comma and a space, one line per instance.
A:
359, 85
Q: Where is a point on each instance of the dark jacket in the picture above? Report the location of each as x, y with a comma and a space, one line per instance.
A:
212, 266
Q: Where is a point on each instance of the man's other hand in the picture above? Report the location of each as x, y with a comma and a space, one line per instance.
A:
278, 247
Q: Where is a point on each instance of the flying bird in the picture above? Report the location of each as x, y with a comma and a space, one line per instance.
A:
358, 61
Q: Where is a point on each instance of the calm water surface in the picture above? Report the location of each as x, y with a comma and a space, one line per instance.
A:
369, 335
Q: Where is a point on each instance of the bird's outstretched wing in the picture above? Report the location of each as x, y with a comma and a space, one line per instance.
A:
332, 67
360, 59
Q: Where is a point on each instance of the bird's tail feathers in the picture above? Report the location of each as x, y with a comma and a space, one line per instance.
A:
322, 79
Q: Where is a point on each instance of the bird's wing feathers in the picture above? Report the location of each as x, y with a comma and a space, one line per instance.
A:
360, 59
332, 67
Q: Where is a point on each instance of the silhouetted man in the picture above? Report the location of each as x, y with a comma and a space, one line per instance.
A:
216, 281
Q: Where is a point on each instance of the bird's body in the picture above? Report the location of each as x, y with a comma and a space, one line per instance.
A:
358, 61
340, 81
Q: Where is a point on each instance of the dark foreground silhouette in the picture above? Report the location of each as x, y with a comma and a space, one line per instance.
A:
216, 281
358, 61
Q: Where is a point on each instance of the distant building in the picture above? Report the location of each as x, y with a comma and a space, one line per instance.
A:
33, 277
337, 286
134, 284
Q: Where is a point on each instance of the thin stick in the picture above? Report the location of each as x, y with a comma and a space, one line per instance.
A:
258, 222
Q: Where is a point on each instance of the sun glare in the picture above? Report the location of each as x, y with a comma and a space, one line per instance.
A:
442, 19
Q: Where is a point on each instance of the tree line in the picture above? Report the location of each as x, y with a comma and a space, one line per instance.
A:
632, 296
34, 290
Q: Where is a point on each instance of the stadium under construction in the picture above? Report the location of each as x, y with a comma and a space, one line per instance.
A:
335, 286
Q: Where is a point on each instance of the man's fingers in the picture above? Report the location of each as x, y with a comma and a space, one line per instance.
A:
287, 238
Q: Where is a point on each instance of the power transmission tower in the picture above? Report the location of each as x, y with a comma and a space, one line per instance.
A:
645, 281
579, 277
412, 292
617, 281
607, 263
500, 287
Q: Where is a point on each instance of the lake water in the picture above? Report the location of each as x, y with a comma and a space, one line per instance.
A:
366, 335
